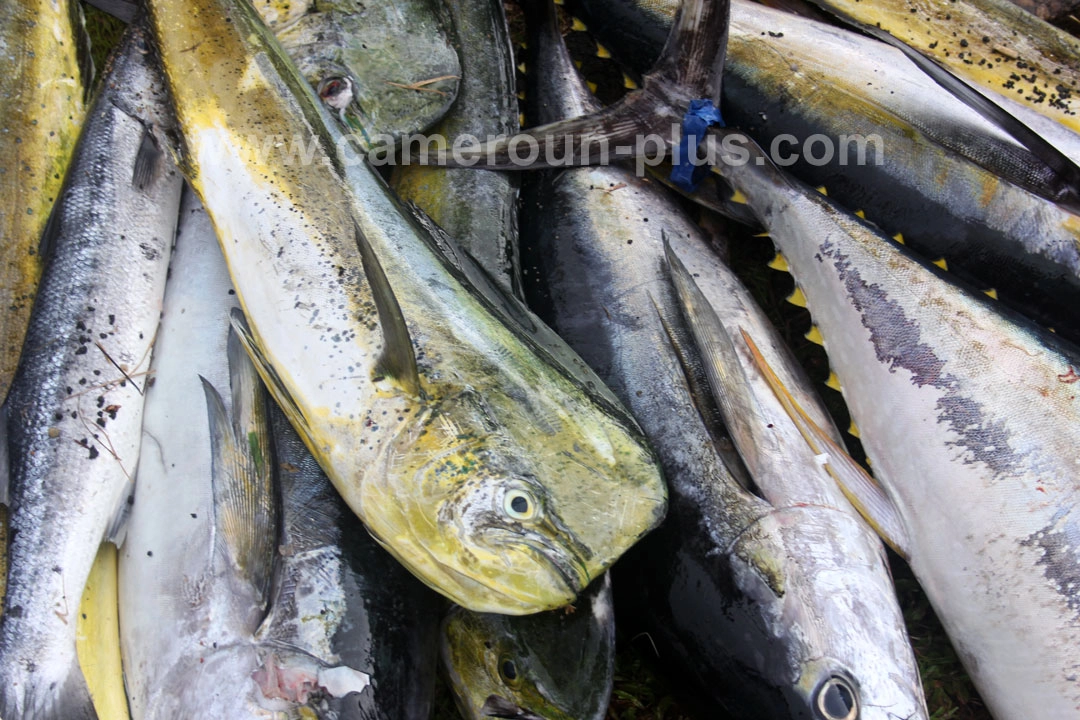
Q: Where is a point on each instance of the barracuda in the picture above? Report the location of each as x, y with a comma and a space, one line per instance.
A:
76, 400
750, 595
970, 416
486, 467
42, 94
557, 665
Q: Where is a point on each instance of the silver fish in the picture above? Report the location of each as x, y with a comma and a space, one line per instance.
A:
75, 407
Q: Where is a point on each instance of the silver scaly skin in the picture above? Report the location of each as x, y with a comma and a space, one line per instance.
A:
75, 407
474, 457
971, 419
752, 594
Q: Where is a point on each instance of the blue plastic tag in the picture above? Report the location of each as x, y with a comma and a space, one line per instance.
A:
699, 116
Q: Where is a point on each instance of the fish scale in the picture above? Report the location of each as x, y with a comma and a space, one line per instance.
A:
75, 408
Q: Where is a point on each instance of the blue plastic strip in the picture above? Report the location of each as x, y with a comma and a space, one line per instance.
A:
699, 116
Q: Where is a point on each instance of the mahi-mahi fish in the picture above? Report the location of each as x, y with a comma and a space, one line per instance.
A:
488, 468
75, 407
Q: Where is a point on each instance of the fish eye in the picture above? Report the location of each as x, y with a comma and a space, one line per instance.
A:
336, 92
508, 670
519, 505
836, 700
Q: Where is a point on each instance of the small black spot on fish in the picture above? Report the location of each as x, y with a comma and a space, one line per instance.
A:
149, 553
149, 252
93, 452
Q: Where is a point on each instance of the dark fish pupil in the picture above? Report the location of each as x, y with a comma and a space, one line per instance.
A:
509, 671
838, 701
332, 88
520, 505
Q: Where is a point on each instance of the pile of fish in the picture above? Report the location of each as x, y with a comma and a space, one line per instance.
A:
284, 429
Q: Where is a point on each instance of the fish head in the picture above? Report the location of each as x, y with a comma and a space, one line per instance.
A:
555, 665
507, 512
840, 647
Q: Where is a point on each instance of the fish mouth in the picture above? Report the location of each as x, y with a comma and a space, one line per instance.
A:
499, 707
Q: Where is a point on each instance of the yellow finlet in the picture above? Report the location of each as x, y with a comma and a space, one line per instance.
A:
521, 68
577, 64
592, 86
779, 263
521, 94
899, 237
560, 2
823, 191
601, 51
521, 119
992, 292
869, 462
628, 82
797, 298
833, 382
860, 214
814, 336
578, 25
853, 430
761, 234
940, 262
97, 637
738, 197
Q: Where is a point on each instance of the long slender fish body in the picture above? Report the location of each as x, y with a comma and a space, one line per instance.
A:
931, 169
387, 69
165, 573
489, 469
748, 596
557, 665
476, 207
346, 603
76, 403
969, 415
42, 91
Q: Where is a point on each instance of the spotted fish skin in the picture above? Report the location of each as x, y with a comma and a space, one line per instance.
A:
945, 178
970, 417
472, 455
75, 408
41, 110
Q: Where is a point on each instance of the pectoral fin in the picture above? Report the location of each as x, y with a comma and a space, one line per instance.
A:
861, 490
398, 360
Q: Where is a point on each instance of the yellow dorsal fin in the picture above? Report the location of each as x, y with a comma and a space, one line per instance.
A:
628, 82
992, 292
940, 262
833, 381
779, 263
797, 298
861, 490
601, 51
814, 335
578, 25
899, 237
